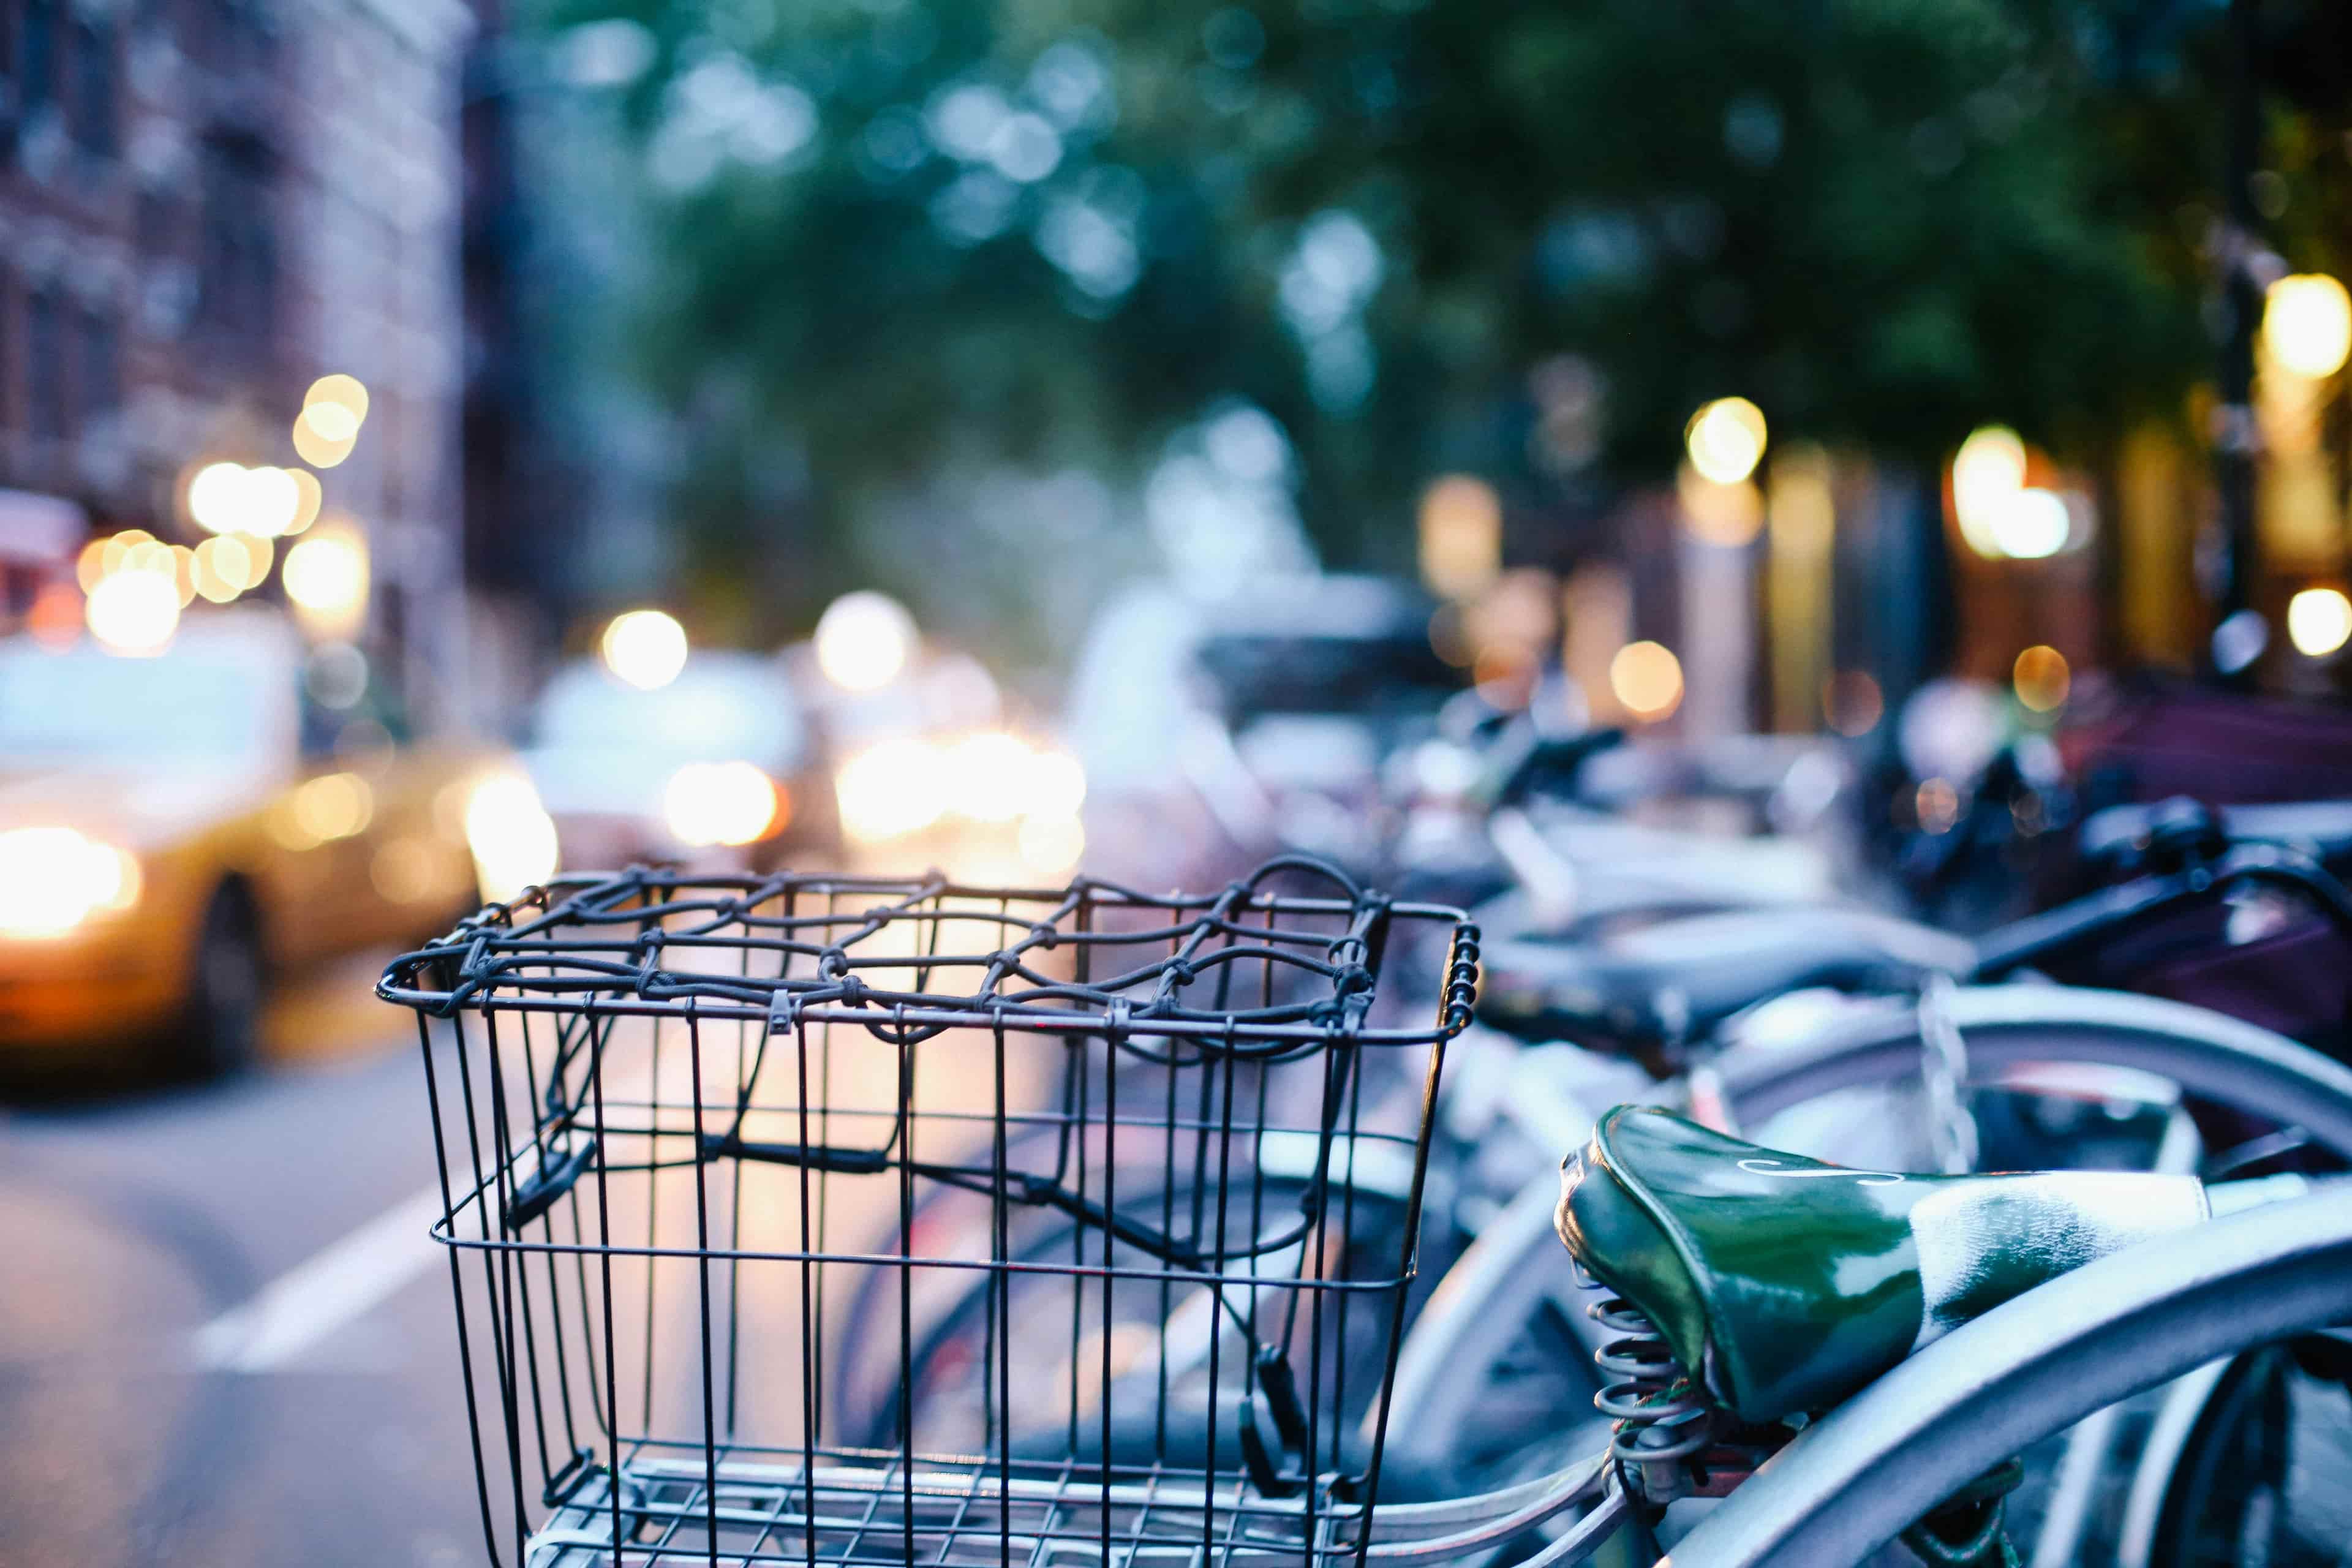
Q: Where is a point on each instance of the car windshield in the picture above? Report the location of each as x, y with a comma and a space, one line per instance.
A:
1383, 674
711, 710
84, 705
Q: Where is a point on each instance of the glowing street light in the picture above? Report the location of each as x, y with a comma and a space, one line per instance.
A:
346, 392
2042, 678
326, 576
329, 425
2001, 516
645, 648
1460, 536
229, 498
864, 640
133, 613
1726, 439
2319, 621
2031, 525
1647, 678
1986, 475
2307, 323
721, 803
308, 497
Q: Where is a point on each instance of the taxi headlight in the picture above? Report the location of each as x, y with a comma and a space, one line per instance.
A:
510, 834
54, 878
721, 803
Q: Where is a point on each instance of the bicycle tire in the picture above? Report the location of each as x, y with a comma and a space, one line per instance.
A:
2027, 1370
1448, 1364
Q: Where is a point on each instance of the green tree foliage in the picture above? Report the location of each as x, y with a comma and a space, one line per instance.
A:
897, 234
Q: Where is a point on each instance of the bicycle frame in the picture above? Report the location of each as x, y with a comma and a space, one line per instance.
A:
1852, 1482
1517, 1261
1840, 1488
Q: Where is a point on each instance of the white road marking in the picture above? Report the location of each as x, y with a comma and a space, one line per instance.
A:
326, 1291
331, 1289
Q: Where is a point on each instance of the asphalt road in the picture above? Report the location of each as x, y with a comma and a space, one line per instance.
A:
227, 1339
135, 1218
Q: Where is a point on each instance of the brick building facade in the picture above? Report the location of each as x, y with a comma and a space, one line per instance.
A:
204, 206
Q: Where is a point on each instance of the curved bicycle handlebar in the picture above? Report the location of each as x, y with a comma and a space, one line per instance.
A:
2109, 912
2323, 828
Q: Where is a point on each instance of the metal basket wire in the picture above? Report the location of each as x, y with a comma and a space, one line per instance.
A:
688, 1127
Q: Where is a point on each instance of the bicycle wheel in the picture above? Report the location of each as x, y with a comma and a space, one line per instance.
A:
1032, 1350
1516, 1302
2035, 1367
2259, 1471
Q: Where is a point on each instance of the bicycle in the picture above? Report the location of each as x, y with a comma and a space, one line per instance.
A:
1538, 1108
539, 1133
748, 1060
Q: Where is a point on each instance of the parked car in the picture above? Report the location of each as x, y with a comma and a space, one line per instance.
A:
1213, 732
715, 767
168, 841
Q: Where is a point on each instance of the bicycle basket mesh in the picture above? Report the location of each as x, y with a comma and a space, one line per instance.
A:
843, 1219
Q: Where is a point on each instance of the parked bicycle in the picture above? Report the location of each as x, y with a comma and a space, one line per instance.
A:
678, 1094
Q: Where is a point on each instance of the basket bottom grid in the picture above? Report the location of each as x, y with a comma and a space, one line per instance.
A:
852, 1506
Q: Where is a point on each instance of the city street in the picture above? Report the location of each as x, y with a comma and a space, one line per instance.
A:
137, 1221
233, 1341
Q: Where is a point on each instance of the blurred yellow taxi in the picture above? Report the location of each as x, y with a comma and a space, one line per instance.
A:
170, 836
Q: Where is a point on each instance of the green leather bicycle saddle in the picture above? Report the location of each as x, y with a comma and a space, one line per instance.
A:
1785, 1284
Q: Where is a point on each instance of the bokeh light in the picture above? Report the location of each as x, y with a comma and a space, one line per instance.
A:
1937, 804
346, 392
721, 803
133, 612
991, 774
1056, 785
1051, 844
645, 648
2033, 526
318, 449
512, 838
864, 640
330, 422
53, 878
1986, 475
225, 498
1460, 536
2307, 323
1726, 514
890, 790
1852, 702
1647, 678
54, 619
326, 577
309, 496
1726, 439
2042, 678
220, 568
2319, 621
332, 807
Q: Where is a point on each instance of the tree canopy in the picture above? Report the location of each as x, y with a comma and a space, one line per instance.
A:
896, 238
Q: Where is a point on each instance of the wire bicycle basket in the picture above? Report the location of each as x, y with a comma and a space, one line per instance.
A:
1111, 1200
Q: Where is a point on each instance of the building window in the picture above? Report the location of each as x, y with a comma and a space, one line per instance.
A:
101, 366
45, 367
94, 109
154, 225
11, 87
37, 78
238, 281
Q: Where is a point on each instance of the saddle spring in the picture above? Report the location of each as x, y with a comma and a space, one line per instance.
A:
1662, 1413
